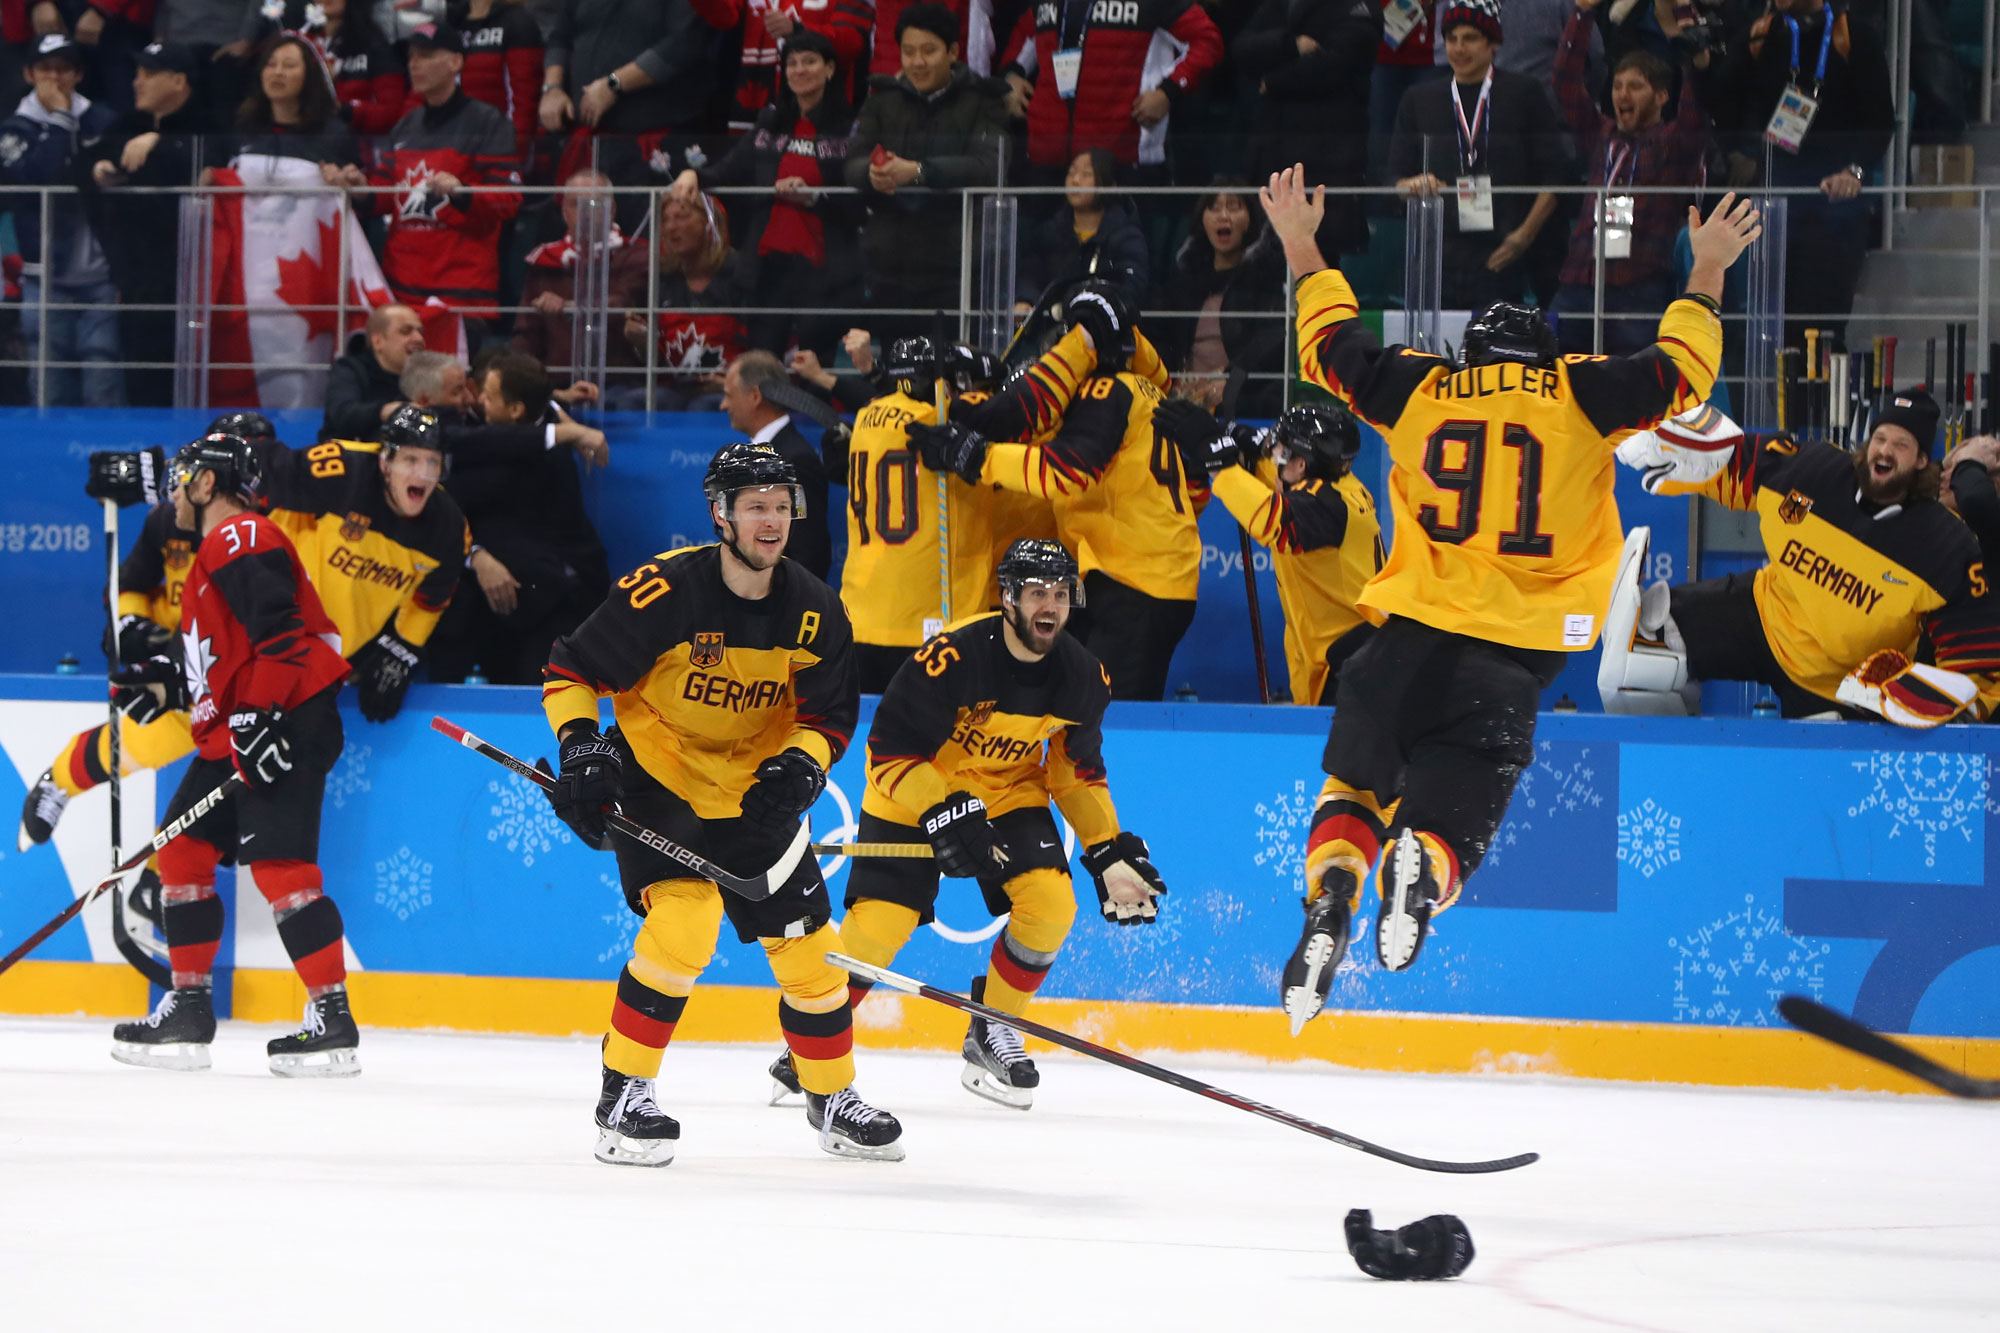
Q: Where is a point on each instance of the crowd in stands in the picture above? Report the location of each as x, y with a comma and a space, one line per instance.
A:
862, 120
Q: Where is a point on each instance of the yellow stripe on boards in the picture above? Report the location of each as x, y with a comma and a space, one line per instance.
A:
1169, 1033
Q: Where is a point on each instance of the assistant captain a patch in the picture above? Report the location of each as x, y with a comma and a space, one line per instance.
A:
706, 650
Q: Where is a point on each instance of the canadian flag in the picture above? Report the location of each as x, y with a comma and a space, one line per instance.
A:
280, 255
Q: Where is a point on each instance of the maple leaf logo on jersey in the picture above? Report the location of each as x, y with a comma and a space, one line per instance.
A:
196, 659
419, 202
687, 348
706, 650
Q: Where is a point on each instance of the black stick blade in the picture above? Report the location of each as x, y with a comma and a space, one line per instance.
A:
1836, 1027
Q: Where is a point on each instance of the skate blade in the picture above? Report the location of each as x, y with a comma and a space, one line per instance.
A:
344, 1062
23, 841
839, 1146
980, 1081
618, 1150
187, 1056
779, 1092
1398, 932
1305, 999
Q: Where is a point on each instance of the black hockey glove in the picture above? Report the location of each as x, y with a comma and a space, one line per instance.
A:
1095, 315
1206, 445
1122, 866
128, 478
962, 838
150, 688
139, 638
263, 753
593, 776
1439, 1246
382, 671
951, 448
787, 785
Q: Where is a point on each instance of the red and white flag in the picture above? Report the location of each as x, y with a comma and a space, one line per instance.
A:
280, 255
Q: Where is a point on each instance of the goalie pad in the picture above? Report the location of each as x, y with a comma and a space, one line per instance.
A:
1688, 450
1644, 664
1909, 694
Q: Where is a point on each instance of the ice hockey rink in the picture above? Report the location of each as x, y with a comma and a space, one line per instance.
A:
452, 1187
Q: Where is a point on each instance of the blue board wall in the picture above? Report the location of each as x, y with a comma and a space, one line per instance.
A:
1664, 871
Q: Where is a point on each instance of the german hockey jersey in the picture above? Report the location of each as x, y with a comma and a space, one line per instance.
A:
1501, 477
890, 582
1121, 500
447, 248
152, 576
373, 568
1326, 544
1846, 580
706, 685
253, 633
965, 714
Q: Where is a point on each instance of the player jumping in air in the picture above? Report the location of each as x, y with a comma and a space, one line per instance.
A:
1507, 542
731, 674
974, 736
257, 667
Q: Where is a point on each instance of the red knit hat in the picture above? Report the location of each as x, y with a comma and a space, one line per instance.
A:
1481, 14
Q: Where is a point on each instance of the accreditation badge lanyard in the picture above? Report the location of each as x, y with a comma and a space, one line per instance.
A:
1399, 19
1475, 181
1614, 215
1067, 62
1796, 108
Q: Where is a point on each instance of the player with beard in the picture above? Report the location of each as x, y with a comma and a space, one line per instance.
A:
976, 734
1866, 569
731, 674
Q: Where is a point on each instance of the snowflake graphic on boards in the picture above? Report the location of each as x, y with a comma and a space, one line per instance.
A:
1281, 836
1549, 789
350, 779
1649, 837
1926, 794
403, 883
1731, 971
523, 822
624, 923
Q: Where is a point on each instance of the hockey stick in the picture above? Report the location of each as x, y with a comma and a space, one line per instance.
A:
145, 963
912, 851
1831, 1025
187, 820
755, 887
911, 986
941, 399
1232, 389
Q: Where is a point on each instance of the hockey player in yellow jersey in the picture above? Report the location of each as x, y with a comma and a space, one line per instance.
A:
1294, 490
988, 723
1506, 545
1120, 498
1866, 568
731, 675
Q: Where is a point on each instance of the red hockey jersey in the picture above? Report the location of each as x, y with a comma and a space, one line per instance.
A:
1129, 47
448, 249
253, 633
503, 64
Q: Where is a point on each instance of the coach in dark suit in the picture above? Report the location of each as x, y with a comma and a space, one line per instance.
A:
743, 397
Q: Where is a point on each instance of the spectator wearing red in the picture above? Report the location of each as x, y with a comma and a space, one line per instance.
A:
1407, 56
698, 272
443, 245
804, 239
768, 25
503, 60
1138, 56
545, 328
369, 89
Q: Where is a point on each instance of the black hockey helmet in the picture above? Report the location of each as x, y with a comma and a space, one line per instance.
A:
1105, 310
1324, 434
1039, 560
912, 366
747, 466
252, 426
970, 368
229, 457
412, 427
1508, 332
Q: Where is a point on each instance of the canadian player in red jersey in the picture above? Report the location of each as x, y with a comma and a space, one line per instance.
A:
257, 666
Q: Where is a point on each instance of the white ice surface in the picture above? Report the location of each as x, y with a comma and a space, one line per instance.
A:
451, 1187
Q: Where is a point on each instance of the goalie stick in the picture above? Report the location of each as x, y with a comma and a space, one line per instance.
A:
911, 986
754, 887
188, 820
1831, 1025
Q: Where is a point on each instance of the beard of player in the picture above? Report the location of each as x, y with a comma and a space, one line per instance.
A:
1034, 616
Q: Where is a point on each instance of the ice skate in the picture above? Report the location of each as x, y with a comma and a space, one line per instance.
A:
1411, 889
41, 810
632, 1130
325, 1046
176, 1035
850, 1127
997, 1067
1309, 972
784, 1079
